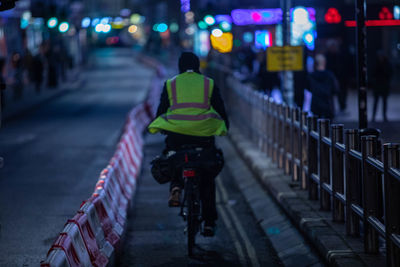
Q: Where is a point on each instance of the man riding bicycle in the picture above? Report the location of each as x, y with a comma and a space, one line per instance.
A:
192, 112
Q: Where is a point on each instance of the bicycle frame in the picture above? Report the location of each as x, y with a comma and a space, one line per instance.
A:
191, 205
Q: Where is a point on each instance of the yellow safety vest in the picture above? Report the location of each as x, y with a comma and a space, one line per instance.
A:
190, 110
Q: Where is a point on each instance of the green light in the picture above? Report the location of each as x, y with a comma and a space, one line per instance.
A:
174, 27
237, 43
225, 26
209, 20
52, 23
155, 27
162, 27
64, 27
202, 25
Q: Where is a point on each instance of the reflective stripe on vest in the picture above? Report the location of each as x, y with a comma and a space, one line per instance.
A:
183, 117
175, 105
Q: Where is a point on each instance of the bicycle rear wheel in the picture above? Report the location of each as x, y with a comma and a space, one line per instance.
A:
191, 226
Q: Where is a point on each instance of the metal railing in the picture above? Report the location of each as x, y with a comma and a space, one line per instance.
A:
346, 170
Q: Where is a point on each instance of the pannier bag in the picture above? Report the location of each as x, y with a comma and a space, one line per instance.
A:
209, 161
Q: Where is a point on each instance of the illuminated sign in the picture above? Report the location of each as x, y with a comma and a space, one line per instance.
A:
333, 16
221, 18
202, 43
223, 43
396, 12
185, 6
256, 16
374, 23
263, 39
266, 16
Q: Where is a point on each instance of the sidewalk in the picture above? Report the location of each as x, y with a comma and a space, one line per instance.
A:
31, 98
390, 130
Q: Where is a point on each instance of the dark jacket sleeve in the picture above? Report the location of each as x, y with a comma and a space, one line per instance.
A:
218, 104
164, 102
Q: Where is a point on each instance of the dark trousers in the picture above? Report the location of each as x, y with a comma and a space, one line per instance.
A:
207, 185
384, 105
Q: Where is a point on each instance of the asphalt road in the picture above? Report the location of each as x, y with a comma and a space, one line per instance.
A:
53, 154
155, 234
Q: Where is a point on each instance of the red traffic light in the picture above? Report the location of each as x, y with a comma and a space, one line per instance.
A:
385, 14
333, 16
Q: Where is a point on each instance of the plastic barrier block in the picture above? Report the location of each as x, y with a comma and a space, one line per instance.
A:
105, 246
64, 243
78, 244
96, 257
55, 258
105, 221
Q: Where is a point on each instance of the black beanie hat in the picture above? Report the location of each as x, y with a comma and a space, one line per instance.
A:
188, 61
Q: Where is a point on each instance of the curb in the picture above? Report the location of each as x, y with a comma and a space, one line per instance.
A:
290, 246
327, 237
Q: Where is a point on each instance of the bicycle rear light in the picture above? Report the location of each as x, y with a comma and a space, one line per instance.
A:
189, 173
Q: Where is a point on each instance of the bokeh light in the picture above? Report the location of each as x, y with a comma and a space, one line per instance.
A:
226, 26
174, 27
85, 22
52, 23
64, 27
132, 29
209, 20
216, 33
202, 25
222, 44
162, 27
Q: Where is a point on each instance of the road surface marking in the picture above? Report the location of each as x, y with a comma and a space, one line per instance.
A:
249, 247
231, 231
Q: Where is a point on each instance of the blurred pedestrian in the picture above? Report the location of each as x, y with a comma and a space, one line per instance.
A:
17, 74
323, 86
382, 76
52, 68
38, 69
3, 85
337, 63
28, 65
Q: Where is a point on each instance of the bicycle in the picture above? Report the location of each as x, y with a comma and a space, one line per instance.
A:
191, 204
189, 162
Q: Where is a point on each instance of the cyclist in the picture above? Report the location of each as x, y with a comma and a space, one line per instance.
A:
191, 112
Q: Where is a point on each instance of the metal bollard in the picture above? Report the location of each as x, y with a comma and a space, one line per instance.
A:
324, 164
288, 155
392, 200
370, 196
337, 173
312, 155
303, 149
296, 140
352, 183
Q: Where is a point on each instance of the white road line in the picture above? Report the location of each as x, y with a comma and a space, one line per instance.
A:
232, 232
249, 247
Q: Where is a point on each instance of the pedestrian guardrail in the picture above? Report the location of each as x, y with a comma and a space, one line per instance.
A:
349, 171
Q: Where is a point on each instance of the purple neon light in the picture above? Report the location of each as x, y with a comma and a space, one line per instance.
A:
185, 6
221, 18
256, 16
263, 16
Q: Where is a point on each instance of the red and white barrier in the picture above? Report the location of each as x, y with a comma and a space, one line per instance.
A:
91, 237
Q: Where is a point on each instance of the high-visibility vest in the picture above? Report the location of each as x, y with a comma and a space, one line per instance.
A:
190, 110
